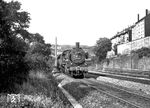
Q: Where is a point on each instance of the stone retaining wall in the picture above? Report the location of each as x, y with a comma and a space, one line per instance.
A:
133, 63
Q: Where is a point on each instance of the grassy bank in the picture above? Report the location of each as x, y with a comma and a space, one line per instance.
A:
39, 91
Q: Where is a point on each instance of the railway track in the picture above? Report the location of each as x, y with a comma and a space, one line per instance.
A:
126, 74
133, 99
122, 77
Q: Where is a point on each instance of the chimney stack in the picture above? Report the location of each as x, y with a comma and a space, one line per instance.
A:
138, 17
146, 11
77, 44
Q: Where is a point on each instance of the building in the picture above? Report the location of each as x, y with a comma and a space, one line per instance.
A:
132, 38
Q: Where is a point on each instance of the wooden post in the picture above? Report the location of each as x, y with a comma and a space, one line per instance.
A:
56, 52
55, 65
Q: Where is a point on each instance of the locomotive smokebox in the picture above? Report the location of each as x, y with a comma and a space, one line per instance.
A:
77, 44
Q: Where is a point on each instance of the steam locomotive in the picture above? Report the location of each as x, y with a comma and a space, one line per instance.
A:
72, 62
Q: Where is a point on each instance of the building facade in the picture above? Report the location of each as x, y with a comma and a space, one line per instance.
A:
132, 38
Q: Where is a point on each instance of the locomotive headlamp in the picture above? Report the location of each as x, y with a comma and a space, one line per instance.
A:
81, 68
78, 68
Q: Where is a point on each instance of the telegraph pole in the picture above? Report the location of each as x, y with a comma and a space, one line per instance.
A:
56, 52
55, 65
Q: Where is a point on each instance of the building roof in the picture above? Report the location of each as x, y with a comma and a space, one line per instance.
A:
129, 28
126, 30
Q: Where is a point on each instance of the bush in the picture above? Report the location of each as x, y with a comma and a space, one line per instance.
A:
13, 71
142, 52
45, 87
36, 93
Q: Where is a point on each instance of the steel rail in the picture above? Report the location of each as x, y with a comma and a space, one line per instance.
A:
117, 88
119, 74
125, 74
129, 78
130, 103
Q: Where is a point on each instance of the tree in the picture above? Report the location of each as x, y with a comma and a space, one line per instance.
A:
13, 24
38, 38
39, 54
103, 45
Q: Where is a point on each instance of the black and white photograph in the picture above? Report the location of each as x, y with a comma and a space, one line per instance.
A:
74, 54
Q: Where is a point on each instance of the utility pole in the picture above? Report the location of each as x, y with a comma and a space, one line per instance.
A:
55, 66
55, 51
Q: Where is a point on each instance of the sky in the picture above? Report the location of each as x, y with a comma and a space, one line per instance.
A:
83, 21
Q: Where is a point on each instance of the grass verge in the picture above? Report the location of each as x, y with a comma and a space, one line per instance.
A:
37, 92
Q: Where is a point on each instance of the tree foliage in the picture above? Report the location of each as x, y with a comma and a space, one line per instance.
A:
39, 54
142, 52
103, 45
38, 38
20, 50
13, 22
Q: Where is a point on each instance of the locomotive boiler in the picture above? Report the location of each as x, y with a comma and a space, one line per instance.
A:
73, 62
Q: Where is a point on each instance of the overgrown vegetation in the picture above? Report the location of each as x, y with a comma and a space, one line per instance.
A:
25, 62
38, 56
13, 24
37, 92
46, 87
20, 51
142, 52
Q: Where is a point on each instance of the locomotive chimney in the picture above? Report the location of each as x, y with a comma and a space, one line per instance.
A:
146, 12
138, 17
77, 44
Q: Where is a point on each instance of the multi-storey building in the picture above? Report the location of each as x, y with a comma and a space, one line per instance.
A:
133, 37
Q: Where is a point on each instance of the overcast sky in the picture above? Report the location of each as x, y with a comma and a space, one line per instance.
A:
83, 21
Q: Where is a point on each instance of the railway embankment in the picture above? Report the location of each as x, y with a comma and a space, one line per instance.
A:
86, 96
63, 80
